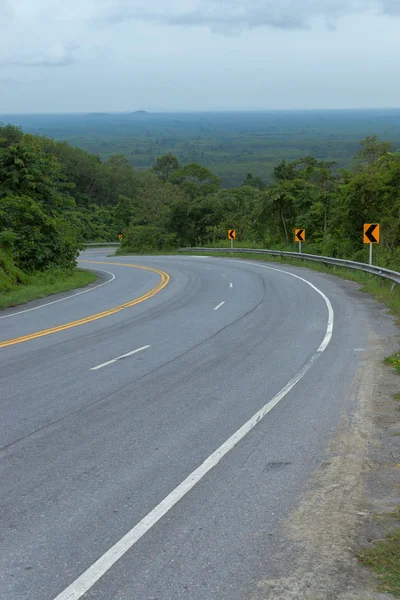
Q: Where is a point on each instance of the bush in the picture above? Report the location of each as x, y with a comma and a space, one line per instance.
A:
148, 238
10, 275
38, 240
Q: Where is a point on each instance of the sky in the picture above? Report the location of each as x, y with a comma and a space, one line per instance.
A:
59, 56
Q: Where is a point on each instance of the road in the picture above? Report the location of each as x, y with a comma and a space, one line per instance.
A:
154, 451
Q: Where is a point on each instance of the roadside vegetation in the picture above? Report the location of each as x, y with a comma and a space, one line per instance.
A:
41, 284
384, 559
54, 198
231, 144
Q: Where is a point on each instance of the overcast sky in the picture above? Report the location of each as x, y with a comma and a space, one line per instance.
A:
123, 55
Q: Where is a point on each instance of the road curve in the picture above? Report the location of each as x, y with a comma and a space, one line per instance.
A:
123, 476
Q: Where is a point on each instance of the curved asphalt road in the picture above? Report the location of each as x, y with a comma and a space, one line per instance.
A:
88, 454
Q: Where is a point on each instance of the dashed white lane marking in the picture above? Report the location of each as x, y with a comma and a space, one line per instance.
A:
231, 285
96, 287
114, 360
88, 579
219, 306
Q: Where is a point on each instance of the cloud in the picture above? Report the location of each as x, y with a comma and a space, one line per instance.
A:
238, 15
9, 81
55, 56
391, 7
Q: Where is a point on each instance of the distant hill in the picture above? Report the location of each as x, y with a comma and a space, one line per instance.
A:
230, 144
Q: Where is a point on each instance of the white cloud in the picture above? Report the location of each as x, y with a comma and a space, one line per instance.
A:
53, 56
119, 54
223, 16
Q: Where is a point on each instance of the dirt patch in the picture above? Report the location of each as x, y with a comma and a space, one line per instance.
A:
358, 481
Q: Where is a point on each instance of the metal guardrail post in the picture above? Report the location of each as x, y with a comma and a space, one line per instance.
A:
388, 274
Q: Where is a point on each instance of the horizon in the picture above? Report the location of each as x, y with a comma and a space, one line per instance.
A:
199, 111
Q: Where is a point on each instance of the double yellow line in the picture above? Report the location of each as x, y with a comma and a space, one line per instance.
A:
155, 290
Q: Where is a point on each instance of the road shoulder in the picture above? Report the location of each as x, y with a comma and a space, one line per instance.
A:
357, 481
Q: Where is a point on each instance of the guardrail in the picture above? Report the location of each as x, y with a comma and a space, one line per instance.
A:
106, 244
393, 276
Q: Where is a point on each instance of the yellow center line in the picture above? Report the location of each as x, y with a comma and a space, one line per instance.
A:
106, 313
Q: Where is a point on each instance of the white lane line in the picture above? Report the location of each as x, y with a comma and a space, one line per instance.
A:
114, 360
223, 275
329, 328
207, 268
96, 287
231, 285
219, 306
87, 580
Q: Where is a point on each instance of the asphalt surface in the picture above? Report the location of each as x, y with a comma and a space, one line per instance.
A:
87, 454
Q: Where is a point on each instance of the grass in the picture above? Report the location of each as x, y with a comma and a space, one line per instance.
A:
384, 559
40, 285
127, 252
394, 361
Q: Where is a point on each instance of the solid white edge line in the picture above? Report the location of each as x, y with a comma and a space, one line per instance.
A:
20, 312
219, 306
114, 360
331, 317
81, 585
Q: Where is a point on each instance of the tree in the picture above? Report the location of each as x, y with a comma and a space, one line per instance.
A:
9, 134
40, 241
123, 213
285, 171
165, 165
25, 169
372, 150
195, 180
147, 238
255, 182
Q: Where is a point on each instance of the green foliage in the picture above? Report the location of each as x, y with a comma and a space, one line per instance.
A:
25, 169
9, 134
54, 197
41, 284
123, 213
10, 275
255, 182
372, 149
384, 559
147, 238
165, 166
195, 180
40, 241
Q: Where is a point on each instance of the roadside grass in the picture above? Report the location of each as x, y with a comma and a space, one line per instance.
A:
384, 559
127, 252
394, 361
40, 285
384, 556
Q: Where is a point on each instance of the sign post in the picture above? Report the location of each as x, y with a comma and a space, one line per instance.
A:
231, 236
300, 236
372, 234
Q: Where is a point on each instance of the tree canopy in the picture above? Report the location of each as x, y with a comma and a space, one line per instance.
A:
54, 198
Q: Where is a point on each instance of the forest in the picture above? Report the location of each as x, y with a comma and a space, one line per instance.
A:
231, 144
55, 197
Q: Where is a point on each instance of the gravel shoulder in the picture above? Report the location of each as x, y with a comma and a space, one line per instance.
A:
354, 489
